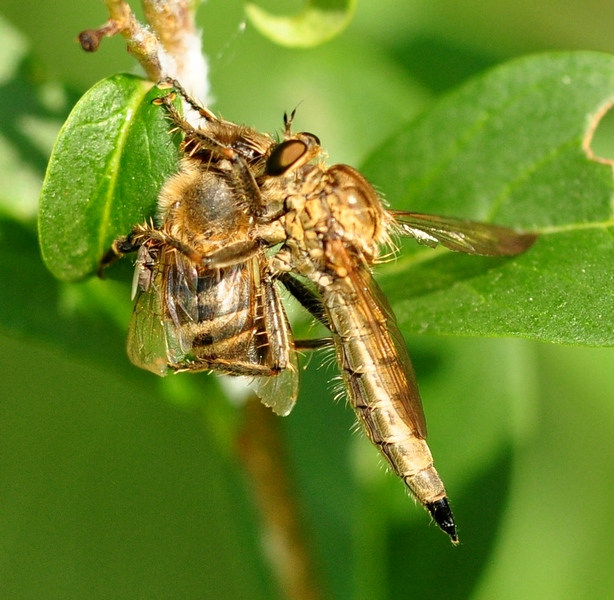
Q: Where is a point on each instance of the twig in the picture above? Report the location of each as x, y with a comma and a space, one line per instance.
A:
169, 46
263, 453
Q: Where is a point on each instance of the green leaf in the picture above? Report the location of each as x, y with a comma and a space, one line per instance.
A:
320, 21
106, 170
510, 147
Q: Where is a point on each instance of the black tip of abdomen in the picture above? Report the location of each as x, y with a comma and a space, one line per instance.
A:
442, 514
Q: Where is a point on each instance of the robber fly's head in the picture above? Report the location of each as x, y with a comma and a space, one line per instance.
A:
292, 153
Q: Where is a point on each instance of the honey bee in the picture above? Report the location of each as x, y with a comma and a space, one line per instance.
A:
206, 299
246, 211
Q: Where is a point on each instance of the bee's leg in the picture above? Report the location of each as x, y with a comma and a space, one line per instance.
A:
275, 348
227, 256
222, 365
276, 326
120, 247
142, 234
231, 254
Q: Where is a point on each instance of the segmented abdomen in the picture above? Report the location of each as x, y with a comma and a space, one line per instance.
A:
385, 400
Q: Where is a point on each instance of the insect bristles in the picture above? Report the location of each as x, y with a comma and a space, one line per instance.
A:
329, 358
337, 388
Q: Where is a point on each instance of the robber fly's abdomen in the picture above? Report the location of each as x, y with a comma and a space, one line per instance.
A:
408, 455
376, 385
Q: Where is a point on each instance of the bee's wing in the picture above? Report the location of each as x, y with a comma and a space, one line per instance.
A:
146, 334
279, 392
180, 304
155, 337
463, 236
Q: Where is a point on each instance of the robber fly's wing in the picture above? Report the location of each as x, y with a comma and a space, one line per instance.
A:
409, 403
364, 318
279, 392
155, 335
460, 235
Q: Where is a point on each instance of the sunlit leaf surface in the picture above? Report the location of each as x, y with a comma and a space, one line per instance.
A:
105, 173
511, 148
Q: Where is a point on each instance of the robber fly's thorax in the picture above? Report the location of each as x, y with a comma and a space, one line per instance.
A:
326, 206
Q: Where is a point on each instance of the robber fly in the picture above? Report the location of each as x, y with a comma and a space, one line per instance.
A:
245, 211
335, 225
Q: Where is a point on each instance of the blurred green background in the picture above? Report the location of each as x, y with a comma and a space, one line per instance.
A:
113, 485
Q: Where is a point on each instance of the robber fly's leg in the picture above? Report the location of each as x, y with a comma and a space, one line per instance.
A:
195, 139
192, 135
205, 113
312, 303
306, 297
314, 344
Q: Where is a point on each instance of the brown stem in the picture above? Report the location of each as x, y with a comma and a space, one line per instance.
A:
90, 38
262, 451
171, 21
168, 47
142, 43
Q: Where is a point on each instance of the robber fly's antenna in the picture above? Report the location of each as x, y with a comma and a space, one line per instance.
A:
288, 121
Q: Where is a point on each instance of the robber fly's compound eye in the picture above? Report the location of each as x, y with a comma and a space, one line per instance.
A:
284, 155
312, 137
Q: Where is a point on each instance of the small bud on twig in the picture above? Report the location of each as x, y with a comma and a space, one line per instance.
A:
169, 46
